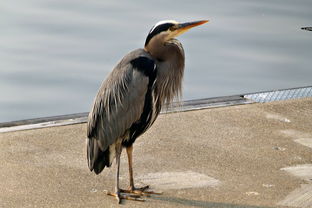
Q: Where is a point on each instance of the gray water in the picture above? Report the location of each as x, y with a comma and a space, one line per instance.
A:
54, 54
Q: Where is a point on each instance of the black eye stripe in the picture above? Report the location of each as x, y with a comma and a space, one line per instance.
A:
160, 28
157, 30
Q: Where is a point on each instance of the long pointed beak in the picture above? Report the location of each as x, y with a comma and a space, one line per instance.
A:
189, 25
183, 27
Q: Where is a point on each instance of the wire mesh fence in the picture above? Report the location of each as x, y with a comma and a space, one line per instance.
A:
277, 95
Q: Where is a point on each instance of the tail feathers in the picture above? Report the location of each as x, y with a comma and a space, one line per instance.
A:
97, 159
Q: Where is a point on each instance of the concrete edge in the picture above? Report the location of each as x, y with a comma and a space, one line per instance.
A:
171, 108
77, 118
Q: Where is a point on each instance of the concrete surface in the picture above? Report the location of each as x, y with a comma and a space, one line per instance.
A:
233, 157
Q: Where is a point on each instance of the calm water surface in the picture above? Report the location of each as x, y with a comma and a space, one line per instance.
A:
54, 54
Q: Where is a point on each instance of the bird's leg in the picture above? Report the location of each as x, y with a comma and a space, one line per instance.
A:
118, 191
129, 153
118, 153
132, 188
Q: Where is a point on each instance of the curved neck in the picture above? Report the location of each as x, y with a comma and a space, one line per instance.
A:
171, 50
170, 68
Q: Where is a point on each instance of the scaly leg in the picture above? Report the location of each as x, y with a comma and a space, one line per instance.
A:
132, 188
118, 191
118, 153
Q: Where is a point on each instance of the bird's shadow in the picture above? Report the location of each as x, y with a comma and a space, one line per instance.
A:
197, 203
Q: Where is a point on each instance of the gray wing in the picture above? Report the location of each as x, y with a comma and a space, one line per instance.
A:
118, 104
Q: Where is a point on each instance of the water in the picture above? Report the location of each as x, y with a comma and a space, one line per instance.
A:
54, 54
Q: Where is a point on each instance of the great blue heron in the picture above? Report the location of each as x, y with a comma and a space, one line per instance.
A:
130, 99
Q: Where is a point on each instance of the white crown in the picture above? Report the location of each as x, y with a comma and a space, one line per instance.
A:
164, 22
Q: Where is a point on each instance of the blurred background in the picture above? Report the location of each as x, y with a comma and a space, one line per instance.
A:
54, 54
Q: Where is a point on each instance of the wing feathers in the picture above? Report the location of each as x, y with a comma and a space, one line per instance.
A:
120, 100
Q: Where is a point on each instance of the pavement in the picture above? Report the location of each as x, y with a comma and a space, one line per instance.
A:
244, 156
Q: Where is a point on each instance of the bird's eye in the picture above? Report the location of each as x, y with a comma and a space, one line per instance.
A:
174, 27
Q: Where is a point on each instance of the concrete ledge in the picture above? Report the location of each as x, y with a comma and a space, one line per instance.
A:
43, 120
264, 96
82, 117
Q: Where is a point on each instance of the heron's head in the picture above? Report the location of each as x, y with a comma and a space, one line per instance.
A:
167, 30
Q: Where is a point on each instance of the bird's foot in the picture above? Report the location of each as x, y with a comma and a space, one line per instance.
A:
119, 196
142, 191
133, 193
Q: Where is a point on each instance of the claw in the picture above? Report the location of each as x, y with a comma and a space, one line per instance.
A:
140, 191
136, 193
133, 194
120, 196
153, 192
144, 191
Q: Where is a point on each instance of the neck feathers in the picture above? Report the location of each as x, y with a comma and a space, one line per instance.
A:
170, 69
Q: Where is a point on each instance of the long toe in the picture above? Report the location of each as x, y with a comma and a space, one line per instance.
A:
142, 191
141, 188
145, 191
119, 196
134, 193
